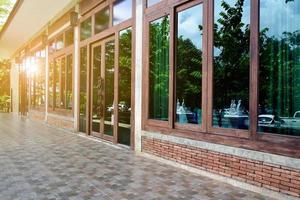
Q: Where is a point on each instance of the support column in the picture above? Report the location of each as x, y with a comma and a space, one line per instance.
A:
76, 74
138, 73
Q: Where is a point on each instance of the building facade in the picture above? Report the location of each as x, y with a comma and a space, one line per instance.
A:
209, 86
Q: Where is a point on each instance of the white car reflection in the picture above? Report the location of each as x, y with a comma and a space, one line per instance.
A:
270, 121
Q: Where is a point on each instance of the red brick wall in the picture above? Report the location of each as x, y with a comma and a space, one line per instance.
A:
273, 177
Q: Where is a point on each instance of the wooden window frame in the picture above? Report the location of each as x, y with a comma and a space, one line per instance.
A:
36, 78
112, 30
249, 139
53, 56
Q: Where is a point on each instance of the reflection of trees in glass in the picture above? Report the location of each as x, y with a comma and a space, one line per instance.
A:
279, 91
4, 82
97, 83
83, 77
125, 72
102, 20
159, 68
188, 73
69, 93
109, 77
231, 57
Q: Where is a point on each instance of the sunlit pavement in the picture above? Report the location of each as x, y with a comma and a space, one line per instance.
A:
39, 162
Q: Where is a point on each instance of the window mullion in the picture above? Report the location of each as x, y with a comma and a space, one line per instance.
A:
172, 68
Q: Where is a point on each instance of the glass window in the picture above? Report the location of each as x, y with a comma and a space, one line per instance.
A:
231, 64
122, 11
124, 126
152, 2
52, 46
189, 65
60, 42
69, 37
102, 20
109, 87
279, 71
40, 83
51, 83
62, 82
97, 89
83, 90
56, 83
159, 69
86, 29
69, 93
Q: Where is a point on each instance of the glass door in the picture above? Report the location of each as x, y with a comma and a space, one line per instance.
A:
102, 89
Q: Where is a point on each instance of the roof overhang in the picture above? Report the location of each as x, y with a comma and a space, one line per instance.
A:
27, 19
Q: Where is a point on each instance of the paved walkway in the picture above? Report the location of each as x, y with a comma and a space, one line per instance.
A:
39, 162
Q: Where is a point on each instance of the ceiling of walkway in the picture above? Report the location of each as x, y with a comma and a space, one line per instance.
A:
27, 20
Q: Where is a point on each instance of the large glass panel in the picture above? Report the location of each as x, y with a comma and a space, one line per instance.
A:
102, 20
159, 69
51, 83
109, 87
86, 29
152, 2
124, 109
56, 82
60, 42
97, 89
69, 37
83, 89
63, 82
189, 65
231, 64
122, 11
69, 90
41, 82
279, 72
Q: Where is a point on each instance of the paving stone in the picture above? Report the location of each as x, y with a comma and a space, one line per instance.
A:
40, 162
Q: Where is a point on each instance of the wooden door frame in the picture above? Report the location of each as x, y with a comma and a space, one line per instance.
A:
101, 134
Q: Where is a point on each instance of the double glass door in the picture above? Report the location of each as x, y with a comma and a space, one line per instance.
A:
102, 89
110, 89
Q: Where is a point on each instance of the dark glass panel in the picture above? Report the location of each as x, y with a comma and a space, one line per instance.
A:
60, 42
159, 69
41, 81
63, 82
122, 11
231, 64
189, 65
69, 37
56, 83
109, 87
97, 89
86, 29
69, 89
152, 2
279, 75
124, 109
52, 47
102, 20
51, 83
83, 90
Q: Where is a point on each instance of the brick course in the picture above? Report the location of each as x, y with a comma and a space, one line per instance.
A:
274, 177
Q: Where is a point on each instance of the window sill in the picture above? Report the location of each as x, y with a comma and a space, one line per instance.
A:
268, 143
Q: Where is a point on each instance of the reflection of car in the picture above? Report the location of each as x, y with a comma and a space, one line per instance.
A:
293, 122
270, 121
122, 107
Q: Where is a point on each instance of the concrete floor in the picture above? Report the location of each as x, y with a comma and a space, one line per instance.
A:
39, 162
